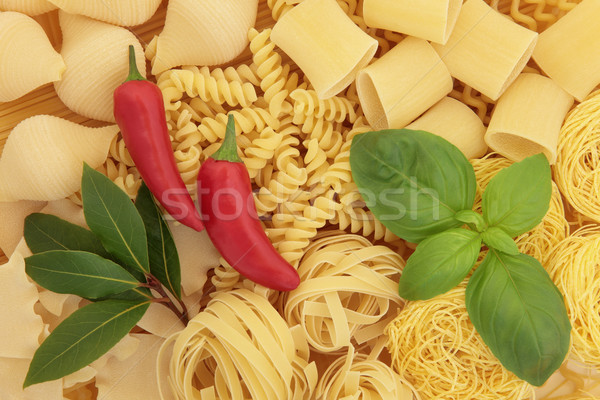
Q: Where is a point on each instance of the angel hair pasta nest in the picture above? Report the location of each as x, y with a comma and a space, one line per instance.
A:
435, 347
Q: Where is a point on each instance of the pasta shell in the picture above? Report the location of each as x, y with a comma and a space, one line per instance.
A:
116, 12
27, 59
29, 7
97, 63
43, 157
207, 32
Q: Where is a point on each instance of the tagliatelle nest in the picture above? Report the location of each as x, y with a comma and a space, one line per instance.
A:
435, 347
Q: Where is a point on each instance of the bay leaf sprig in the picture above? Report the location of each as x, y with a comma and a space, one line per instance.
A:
422, 188
123, 263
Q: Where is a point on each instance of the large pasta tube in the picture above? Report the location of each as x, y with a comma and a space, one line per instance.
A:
117, 12
528, 117
425, 19
27, 59
569, 51
206, 32
457, 123
486, 50
327, 46
402, 84
43, 157
96, 56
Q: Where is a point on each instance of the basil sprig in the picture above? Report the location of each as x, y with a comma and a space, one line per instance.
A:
422, 188
127, 251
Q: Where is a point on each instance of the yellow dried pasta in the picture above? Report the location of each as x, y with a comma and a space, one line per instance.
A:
116, 12
29, 7
435, 347
346, 284
38, 177
27, 59
97, 63
239, 346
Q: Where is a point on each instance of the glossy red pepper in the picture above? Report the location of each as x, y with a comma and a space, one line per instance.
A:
139, 112
229, 214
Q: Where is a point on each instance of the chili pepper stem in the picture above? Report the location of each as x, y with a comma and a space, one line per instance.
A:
228, 150
134, 73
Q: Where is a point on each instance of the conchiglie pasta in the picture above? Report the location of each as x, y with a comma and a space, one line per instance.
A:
27, 59
204, 32
97, 63
116, 12
43, 157
29, 7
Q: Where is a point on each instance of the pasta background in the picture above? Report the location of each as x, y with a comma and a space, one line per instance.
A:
297, 148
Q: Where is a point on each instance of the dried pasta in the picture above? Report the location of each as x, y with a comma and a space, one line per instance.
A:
203, 33
578, 160
238, 347
37, 177
97, 63
354, 375
568, 51
346, 284
485, 50
528, 117
116, 12
12, 216
573, 266
402, 84
455, 122
435, 347
27, 59
332, 49
29, 7
424, 19
308, 105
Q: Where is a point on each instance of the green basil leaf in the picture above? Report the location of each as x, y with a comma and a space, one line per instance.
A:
471, 218
111, 215
162, 252
518, 197
439, 263
414, 182
520, 314
137, 294
78, 272
496, 238
44, 232
82, 338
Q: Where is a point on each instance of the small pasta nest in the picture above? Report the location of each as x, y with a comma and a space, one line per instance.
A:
355, 376
554, 227
346, 284
227, 350
577, 166
435, 347
575, 269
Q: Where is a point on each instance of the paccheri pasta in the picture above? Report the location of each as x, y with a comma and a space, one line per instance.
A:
297, 107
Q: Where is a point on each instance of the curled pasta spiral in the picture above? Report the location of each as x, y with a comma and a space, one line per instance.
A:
128, 179
247, 120
260, 151
119, 152
308, 105
346, 284
330, 139
275, 79
227, 350
354, 375
207, 85
435, 347
315, 162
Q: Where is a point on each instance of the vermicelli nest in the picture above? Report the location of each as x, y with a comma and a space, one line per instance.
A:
435, 347
554, 227
347, 284
574, 266
577, 169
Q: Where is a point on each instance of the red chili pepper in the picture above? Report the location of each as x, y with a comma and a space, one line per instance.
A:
229, 214
139, 112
